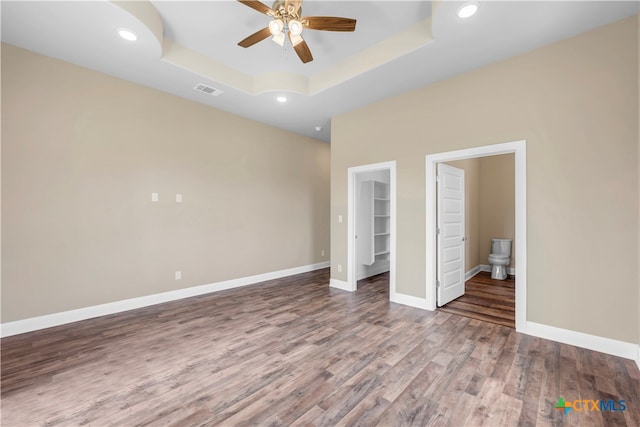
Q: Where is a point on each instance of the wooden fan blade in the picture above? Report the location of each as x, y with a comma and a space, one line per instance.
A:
259, 6
329, 23
256, 37
303, 51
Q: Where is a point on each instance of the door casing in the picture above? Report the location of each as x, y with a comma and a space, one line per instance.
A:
352, 282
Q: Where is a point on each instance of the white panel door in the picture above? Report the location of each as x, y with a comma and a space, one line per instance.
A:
450, 238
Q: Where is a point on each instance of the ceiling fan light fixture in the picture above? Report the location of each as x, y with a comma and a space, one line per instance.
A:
279, 38
276, 26
295, 27
468, 9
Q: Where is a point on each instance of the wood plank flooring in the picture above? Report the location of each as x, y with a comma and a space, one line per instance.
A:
487, 299
296, 352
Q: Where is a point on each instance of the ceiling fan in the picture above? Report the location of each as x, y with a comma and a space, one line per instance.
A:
287, 20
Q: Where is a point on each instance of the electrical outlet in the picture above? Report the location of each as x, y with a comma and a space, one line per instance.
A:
323, 252
154, 197
178, 198
340, 218
339, 268
178, 275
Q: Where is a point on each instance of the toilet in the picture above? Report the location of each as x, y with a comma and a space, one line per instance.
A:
499, 258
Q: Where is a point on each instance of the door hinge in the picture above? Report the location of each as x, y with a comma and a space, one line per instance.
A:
437, 283
437, 230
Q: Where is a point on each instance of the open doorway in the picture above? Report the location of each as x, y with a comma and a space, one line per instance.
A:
371, 223
518, 148
476, 220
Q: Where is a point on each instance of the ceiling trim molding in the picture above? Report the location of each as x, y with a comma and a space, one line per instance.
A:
383, 52
183, 57
148, 15
190, 60
379, 54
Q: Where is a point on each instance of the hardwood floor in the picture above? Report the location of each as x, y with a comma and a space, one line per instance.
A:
295, 352
487, 299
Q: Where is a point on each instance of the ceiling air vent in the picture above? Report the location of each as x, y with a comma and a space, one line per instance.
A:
207, 89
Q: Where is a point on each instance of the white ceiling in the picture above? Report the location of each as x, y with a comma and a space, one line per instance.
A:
397, 46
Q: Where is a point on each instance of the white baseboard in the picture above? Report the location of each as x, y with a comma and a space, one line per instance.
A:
475, 270
409, 300
55, 319
486, 267
591, 342
340, 284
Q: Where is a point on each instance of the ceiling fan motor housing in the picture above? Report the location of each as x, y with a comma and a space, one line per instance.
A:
288, 7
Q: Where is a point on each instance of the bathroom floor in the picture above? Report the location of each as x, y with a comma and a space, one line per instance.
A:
487, 299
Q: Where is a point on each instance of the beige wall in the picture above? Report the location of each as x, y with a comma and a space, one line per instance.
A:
81, 154
575, 103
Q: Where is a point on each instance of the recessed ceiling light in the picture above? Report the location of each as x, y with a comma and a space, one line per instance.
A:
127, 34
467, 10
281, 99
318, 128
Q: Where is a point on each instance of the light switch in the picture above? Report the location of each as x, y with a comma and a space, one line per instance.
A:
178, 198
339, 218
154, 197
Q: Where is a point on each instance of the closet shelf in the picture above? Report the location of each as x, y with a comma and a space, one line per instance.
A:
374, 215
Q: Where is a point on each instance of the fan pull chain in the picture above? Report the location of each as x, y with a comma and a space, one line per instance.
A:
285, 49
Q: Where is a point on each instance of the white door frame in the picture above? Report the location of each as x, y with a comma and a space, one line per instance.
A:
352, 279
517, 147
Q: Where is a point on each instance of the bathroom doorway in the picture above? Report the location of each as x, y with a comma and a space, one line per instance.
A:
518, 149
